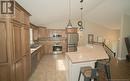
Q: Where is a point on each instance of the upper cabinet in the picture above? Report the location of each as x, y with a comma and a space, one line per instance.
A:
42, 32
37, 32
21, 15
17, 42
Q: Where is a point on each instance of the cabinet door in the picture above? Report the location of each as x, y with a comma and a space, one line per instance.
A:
4, 73
42, 51
48, 49
3, 42
42, 32
27, 44
27, 66
17, 41
25, 41
19, 71
35, 34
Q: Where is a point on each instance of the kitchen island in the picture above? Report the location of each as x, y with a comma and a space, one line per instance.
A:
85, 56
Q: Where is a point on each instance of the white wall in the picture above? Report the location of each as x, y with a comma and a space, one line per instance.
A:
125, 31
111, 36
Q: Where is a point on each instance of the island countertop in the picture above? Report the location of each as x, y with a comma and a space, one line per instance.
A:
87, 53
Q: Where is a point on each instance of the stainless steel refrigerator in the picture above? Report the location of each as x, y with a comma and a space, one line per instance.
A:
72, 42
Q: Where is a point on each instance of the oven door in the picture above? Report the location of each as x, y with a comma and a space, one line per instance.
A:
57, 49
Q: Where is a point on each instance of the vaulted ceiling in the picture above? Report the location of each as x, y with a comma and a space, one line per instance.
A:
105, 12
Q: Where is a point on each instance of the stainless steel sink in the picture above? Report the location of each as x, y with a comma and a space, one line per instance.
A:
34, 45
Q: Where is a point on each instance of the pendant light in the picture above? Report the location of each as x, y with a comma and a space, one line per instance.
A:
80, 23
69, 25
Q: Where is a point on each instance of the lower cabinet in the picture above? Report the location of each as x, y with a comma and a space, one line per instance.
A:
42, 50
22, 69
19, 73
27, 67
4, 73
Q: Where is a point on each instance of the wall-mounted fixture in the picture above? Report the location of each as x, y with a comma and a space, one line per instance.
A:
69, 25
80, 23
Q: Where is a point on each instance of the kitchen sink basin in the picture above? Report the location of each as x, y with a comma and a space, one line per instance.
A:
34, 45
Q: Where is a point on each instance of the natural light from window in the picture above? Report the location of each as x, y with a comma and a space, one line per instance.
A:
60, 65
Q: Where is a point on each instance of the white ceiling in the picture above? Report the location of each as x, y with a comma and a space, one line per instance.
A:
105, 12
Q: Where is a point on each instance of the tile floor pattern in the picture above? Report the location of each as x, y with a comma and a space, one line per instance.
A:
50, 68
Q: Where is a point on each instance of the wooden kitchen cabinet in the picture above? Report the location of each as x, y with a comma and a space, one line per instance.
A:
42, 32
14, 46
48, 48
25, 41
42, 49
3, 42
4, 73
35, 34
19, 71
27, 66
17, 41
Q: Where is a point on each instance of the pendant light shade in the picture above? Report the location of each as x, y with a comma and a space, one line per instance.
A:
69, 25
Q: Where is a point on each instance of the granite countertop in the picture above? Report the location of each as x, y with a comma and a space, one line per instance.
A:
87, 53
53, 39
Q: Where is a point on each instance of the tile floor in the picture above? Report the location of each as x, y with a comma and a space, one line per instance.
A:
50, 68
